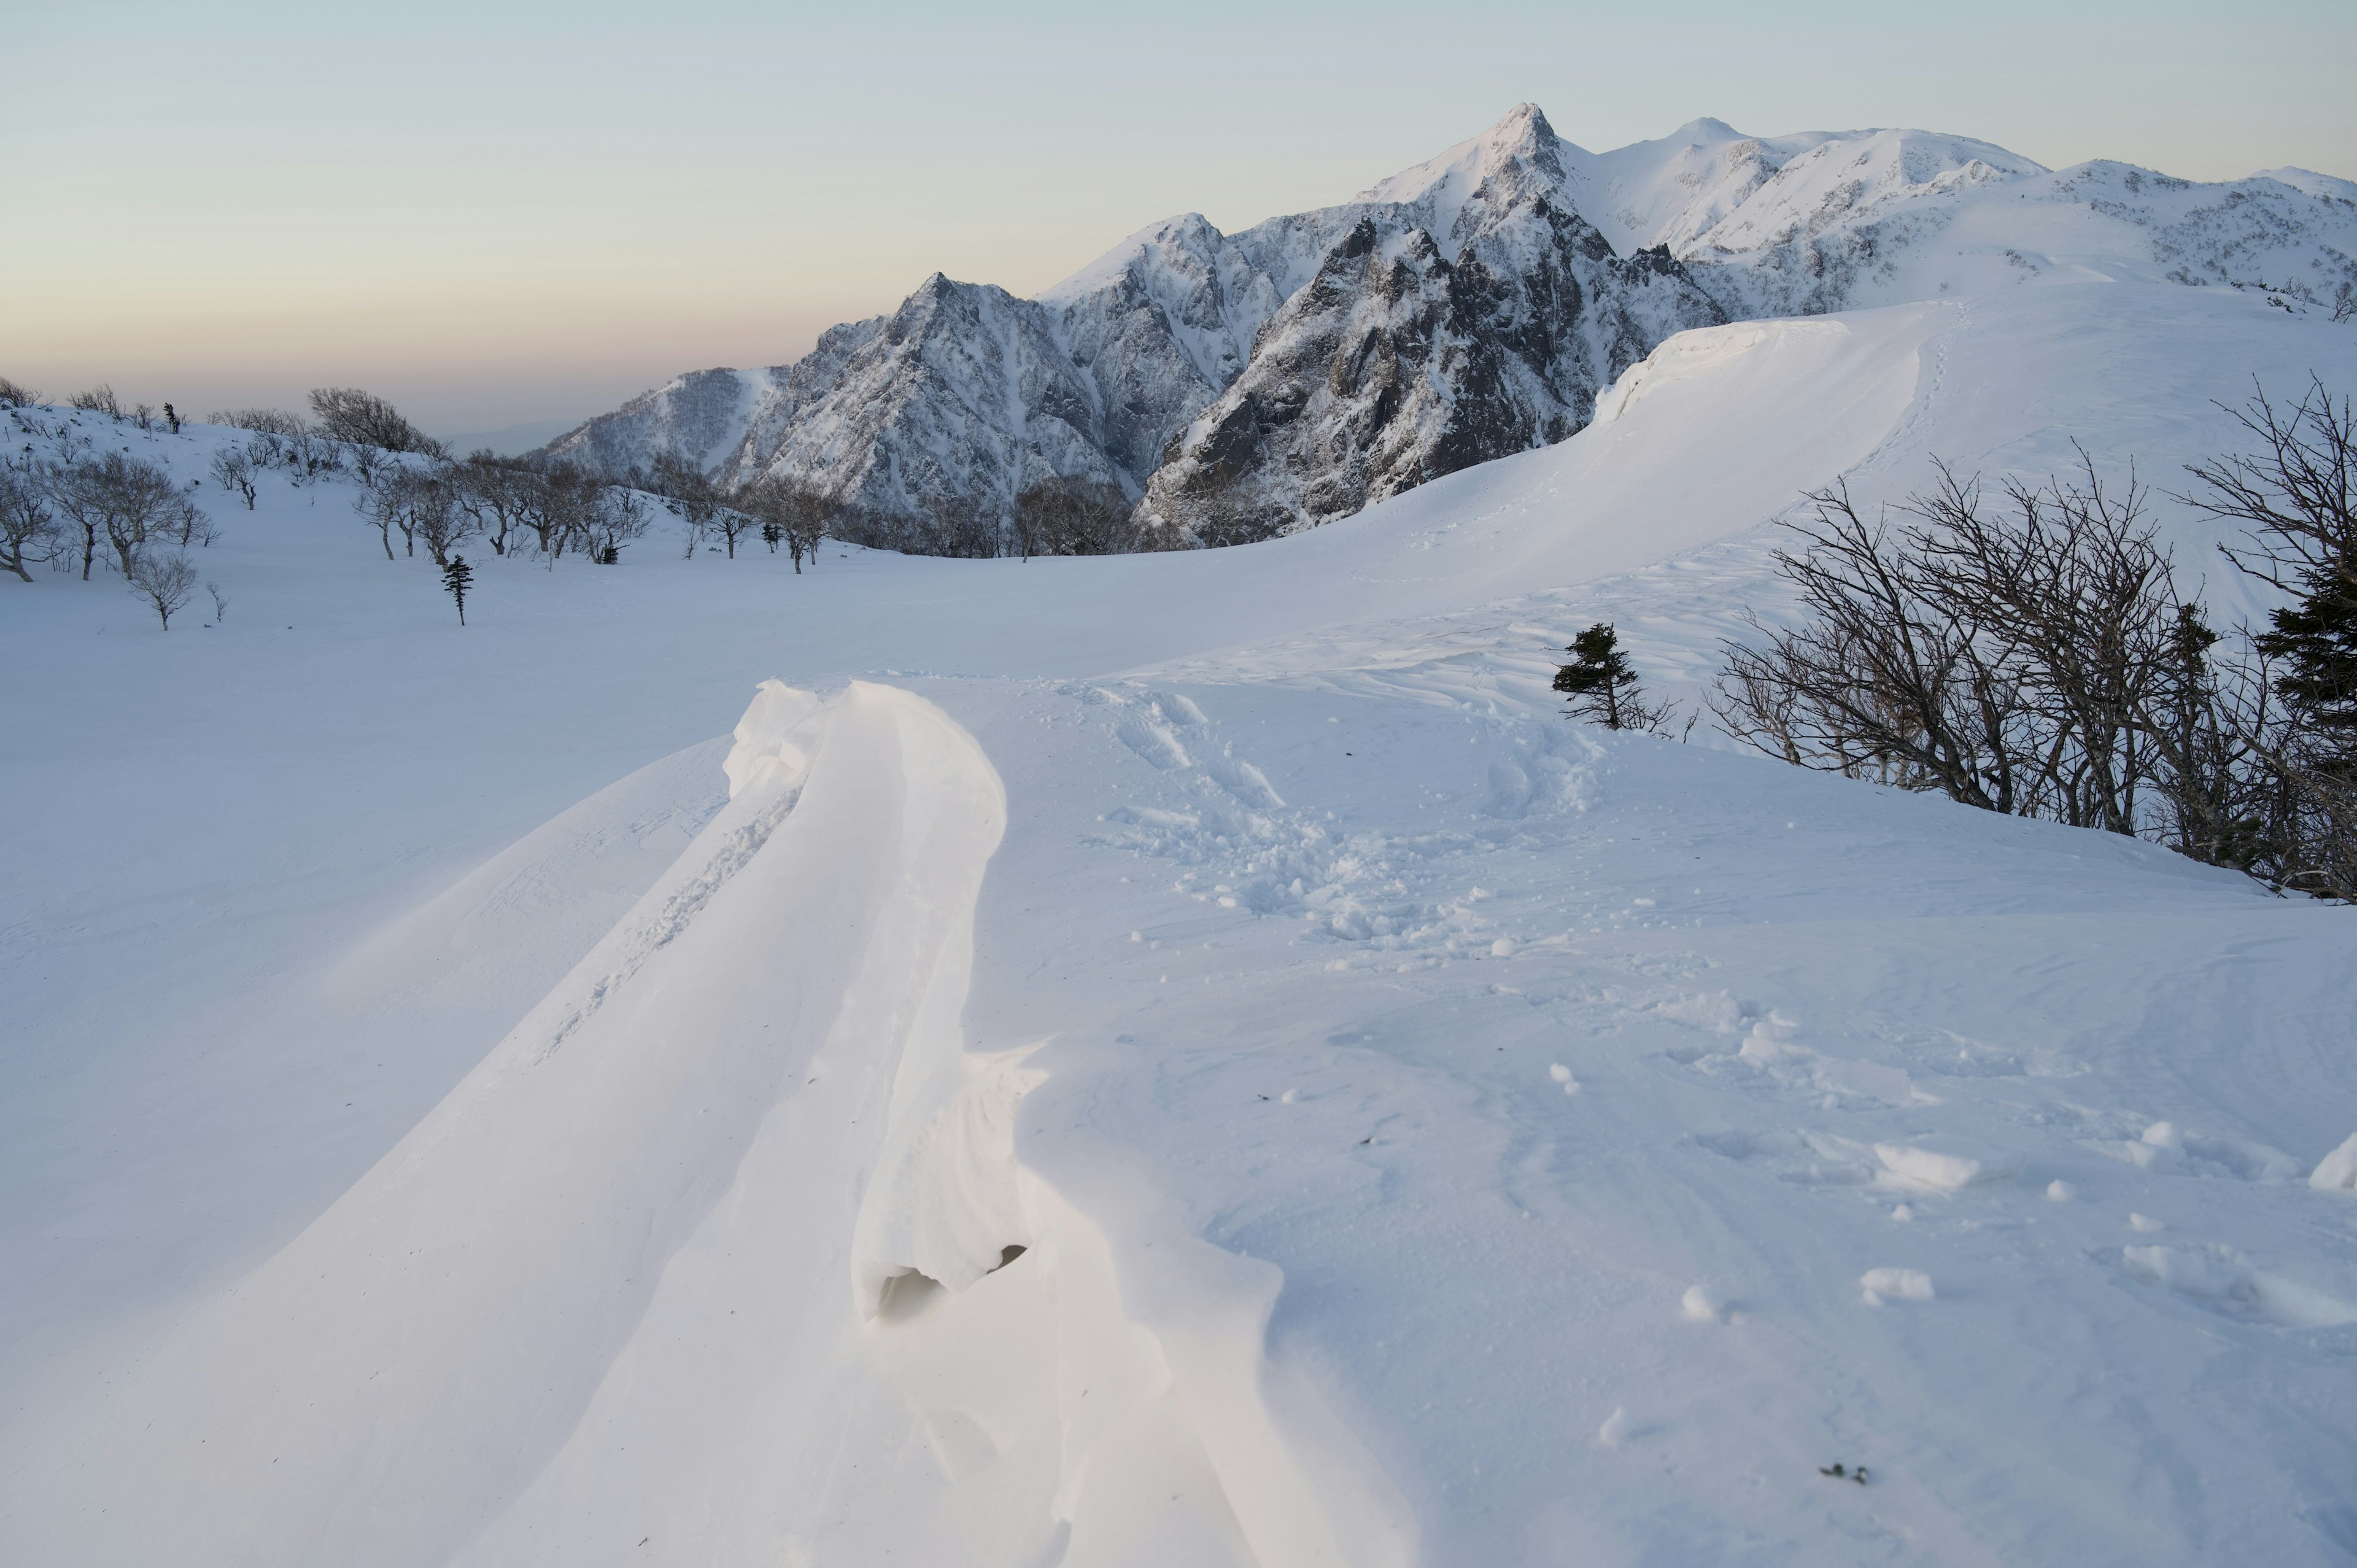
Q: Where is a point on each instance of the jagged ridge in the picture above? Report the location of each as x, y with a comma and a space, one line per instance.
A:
1468, 307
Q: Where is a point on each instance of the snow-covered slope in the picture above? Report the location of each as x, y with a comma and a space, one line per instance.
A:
1467, 308
1433, 1133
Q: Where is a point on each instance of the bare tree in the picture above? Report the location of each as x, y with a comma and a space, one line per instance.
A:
688, 494
497, 493
234, 470
2031, 660
799, 512
122, 498
421, 502
436, 517
15, 394
557, 510
99, 398
186, 523
221, 602
364, 419
164, 581
613, 517
1071, 517
2296, 497
28, 527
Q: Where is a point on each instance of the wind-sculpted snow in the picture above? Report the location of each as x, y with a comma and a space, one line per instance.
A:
517, 1237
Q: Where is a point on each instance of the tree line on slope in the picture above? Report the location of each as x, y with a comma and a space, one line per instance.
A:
2031, 651
103, 509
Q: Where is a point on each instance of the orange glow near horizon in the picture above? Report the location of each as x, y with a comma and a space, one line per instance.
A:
530, 211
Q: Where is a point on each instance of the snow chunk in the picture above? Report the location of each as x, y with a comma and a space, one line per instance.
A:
2336, 1172
1702, 1304
1894, 1284
1615, 1430
1929, 1168
774, 745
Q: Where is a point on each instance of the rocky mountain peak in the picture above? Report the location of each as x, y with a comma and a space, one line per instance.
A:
1467, 308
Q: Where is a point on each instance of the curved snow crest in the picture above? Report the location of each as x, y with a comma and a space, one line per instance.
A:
391, 1379
1701, 351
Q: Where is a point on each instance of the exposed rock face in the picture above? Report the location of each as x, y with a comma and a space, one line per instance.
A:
961, 397
1471, 306
1476, 318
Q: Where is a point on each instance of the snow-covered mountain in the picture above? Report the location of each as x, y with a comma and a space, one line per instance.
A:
1467, 313
1467, 308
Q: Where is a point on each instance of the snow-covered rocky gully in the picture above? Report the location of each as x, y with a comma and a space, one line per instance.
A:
1178, 1058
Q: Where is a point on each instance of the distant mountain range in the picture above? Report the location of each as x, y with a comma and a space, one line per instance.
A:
1237, 386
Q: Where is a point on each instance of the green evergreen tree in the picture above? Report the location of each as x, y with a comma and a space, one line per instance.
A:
1598, 680
456, 578
2316, 641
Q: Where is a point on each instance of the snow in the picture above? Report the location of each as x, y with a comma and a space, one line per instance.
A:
2336, 1172
1083, 1073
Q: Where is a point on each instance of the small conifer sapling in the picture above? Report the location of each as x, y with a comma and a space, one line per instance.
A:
455, 577
1598, 680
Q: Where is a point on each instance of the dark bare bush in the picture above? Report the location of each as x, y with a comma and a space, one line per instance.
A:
364, 419
121, 500
99, 398
164, 581
497, 492
422, 502
1072, 517
437, 519
263, 420
2028, 657
798, 513
233, 470
2295, 497
15, 394
612, 517
29, 526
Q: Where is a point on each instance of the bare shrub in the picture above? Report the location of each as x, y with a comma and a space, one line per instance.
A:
99, 398
2022, 659
164, 581
1072, 517
364, 419
234, 470
2296, 497
265, 421
15, 394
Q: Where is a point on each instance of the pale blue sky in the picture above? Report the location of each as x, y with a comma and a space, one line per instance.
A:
497, 213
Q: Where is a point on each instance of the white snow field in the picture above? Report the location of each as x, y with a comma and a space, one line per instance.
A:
1177, 1060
